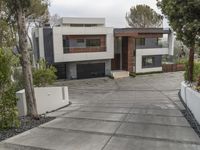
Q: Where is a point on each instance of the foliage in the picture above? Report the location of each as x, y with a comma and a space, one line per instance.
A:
181, 61
184, 18
44, 74
8, 111
18, 13
196, 71
142, 16
6, 36
198, 84
38, 12
54, 19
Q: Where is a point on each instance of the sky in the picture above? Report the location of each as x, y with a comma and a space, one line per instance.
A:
113, 10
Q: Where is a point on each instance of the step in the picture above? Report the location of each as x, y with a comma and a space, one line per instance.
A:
117, 74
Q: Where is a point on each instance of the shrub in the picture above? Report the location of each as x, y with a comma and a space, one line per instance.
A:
198, 84
196, 71
181, 61
8, 100
44, 74
8, 109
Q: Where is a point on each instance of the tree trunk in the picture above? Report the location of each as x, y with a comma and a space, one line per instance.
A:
191, 64
26, 65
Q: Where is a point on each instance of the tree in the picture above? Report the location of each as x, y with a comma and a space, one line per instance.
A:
142, 16
184, 18
54, 19
19, 10
37, 13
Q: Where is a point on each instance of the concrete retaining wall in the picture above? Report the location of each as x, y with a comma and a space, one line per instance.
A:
47, 99
191, 99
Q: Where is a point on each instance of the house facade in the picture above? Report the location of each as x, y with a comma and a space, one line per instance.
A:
85, 47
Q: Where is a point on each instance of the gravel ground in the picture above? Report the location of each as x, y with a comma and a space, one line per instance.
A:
190, 117
26, 123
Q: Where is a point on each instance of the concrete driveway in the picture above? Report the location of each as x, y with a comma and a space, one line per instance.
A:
141, 113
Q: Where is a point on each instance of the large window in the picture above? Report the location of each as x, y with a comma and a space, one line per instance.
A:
140, 42
93, 42
151, 61
83, 43
65, 44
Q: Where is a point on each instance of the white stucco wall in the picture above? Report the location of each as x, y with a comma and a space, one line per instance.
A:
59, 56
191, 99
148, 52
171, 39
72, 20
47, 99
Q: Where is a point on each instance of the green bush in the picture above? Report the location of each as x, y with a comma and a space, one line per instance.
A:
8, 100
196, 71
181, 61
44, 74
8, 109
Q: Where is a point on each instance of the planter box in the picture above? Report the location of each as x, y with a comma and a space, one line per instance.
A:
47, 99
173, 67
191, 99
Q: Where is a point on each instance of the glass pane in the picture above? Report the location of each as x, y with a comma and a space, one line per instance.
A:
93, 42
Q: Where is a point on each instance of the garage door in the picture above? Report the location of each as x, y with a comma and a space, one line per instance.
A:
61, 70
90, 70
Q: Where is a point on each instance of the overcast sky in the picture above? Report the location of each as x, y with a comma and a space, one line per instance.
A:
113, 10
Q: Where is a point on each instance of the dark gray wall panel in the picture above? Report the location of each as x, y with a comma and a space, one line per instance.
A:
48, 45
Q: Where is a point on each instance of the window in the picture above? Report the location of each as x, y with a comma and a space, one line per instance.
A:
140, 42
93, 42
148, 61
151, 61
90, 25
65, 44
76, 25
80, 40
82, 43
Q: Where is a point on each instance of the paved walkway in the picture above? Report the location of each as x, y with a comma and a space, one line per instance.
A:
141, 113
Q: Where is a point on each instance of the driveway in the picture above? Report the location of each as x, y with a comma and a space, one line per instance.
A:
141, 113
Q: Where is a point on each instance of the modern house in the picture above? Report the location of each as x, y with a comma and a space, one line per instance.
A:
85, 47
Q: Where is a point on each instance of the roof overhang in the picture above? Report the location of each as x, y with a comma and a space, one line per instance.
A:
141, 32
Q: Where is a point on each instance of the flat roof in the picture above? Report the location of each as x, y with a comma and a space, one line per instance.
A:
137, 31
76, 20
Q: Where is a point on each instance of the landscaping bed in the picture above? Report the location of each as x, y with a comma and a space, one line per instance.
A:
190, 117
173, 67
26, 123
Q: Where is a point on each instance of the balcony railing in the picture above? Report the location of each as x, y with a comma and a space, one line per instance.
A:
160, 45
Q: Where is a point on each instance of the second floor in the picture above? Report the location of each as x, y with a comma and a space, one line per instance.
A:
69, 43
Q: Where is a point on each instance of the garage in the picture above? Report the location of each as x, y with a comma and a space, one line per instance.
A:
90, 70
60, 70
